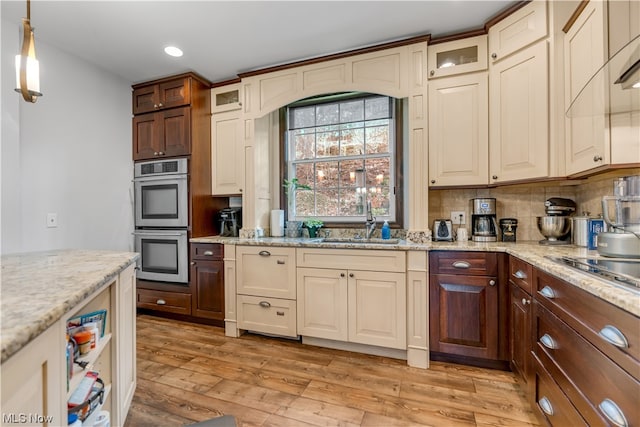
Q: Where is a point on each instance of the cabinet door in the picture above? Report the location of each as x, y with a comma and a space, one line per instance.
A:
174, 93
463, 315
207, 289
377, 308
126, 339
175, 135
146, 137
520, 333
227, 151
519, 116
523, 27
145, 99
225, 98
459, 130
587, 142
322, 303
266, 271
457, 57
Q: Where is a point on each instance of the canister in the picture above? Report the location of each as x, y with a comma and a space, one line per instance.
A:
508, 227
580, 230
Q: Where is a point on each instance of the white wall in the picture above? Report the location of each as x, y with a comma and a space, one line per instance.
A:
69, 153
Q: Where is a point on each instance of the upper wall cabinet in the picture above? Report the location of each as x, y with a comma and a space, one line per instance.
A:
169, 94
457, 57
520, 29
226, 98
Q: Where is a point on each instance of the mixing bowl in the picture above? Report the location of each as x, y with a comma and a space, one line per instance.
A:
554, 227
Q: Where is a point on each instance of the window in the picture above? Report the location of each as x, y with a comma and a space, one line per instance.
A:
343, 147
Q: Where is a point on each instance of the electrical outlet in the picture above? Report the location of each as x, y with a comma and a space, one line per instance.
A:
52, 220
458, 217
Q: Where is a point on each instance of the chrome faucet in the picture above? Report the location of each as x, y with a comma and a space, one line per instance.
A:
370, 223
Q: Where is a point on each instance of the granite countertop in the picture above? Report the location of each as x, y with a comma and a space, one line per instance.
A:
39, 288
529, 251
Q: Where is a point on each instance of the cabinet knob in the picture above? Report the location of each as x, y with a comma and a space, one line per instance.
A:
597, 158
613, 336
433, 181
494, 55
350, 274
193, 263
155, 153
240, 190
545, 405
160, 105
548, 342
155, 105
432, 73
341, 274
613, 412
526, 301
161, 153
492, 282
494, 177
161, 302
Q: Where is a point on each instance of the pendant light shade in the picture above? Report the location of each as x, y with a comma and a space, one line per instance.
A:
27, 66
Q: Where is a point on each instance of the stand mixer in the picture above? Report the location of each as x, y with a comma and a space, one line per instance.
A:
624, 239
556, 225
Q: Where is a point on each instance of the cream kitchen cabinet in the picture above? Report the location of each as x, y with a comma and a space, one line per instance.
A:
459, 130
518, 30
519, 116
226, 98
457, 57
227, 153
587, 139
353, 295
266, 289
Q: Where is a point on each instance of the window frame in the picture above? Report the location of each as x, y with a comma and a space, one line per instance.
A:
397, 129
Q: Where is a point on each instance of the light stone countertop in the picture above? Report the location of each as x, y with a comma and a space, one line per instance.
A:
39, 288
529, 251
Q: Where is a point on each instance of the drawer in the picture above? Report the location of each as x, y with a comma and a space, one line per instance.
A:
467, 263
353, 259
551, 403
521, 273
593, 318
589, 378
172, 302
266, 271
267, 315
206, 251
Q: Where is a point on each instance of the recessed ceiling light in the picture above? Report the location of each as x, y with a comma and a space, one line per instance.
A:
173, 51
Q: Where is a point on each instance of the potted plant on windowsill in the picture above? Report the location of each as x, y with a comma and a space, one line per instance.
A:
294, 228
313, 225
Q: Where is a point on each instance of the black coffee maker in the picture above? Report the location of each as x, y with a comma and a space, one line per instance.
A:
230, 221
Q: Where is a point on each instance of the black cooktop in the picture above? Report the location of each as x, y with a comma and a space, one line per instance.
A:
618, 271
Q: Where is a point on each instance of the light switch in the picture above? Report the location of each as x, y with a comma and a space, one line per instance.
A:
52, 220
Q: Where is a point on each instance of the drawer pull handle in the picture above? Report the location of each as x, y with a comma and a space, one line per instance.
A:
548, 292
612, 335
264, 253
613, 413
280, 313
548, 342
520, 274
264, 304
161, 302
208, 253
461, 264
492, 282
281, 262
545, 405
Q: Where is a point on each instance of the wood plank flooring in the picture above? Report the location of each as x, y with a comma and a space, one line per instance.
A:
189, 373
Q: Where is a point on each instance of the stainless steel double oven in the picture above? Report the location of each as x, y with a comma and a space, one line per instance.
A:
162, 220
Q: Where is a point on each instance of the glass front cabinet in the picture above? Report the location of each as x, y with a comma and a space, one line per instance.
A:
457, 57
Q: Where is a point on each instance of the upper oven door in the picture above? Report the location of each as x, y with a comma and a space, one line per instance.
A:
161, 201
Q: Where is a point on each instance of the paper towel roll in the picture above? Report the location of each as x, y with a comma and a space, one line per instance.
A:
277, 223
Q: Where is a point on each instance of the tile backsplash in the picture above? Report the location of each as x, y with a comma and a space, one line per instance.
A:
525, 202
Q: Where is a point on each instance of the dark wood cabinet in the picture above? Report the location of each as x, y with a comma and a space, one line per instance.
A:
520, 283
165, 133
207, 281
172, 93
468, 310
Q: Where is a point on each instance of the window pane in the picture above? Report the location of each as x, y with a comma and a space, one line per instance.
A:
304, 203
304, 144
377, 138
379, 197
349, 202
347, 172
351, 111
303, 117
377, 171
304, 173
328, 144
327, 114
376, 108
352, 140
326, 175
327, 202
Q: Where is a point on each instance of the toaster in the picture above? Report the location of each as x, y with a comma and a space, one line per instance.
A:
442, 230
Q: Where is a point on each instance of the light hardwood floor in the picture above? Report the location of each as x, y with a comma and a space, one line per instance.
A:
189, 373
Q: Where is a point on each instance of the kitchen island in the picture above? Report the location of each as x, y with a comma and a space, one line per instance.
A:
40, 293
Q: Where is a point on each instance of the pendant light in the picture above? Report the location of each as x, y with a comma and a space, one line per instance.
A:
27, 66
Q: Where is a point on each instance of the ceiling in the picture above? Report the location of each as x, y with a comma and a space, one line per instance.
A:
223, 38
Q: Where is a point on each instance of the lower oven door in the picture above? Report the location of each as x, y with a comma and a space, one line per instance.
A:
164, 255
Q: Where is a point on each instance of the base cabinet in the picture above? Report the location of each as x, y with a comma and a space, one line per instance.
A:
520, 280
207, 281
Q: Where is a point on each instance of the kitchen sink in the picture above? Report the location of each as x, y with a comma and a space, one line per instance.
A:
371, 241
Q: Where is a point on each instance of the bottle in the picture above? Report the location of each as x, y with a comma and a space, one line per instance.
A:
93, 328
386, 231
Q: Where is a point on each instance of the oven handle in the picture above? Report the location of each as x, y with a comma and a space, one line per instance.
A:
161, 178
156, 233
